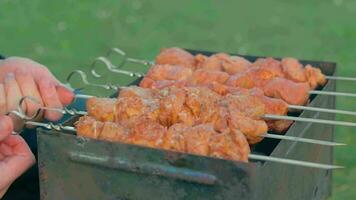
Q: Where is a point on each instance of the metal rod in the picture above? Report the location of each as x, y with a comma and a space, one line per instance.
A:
330, 93
302, 119
85, 81
76, 112
327, 110
112, 68
59, 127
83, 96
340, 78
294, 162
65, 111
305, 140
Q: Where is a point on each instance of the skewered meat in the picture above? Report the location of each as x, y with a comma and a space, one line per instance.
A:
205, 106
128, 109
293, 70
271, 64
169, 72
204, 76
175, 138
200, 139
213, 62
272, 105
289, 68
254, 77
88, 127
289, 91
222, 62
147, 132
149, 83
292, 93
175, 56
135, 91
192, 106
172, 107
236, 64
102, 109
315, 76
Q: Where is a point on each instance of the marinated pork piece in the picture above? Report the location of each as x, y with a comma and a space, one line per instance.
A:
109, 131
232, 146
315, 76
213, 62
175, 56
289, 68
204, 76
135, 91
147, 132
172, 107
169, 72
293, 70
236, 64
291, 92
128, 109
287, 90
200, 139
175, 138
222, 62
101, 109
255, 77
271, 64
272, 106
252, 129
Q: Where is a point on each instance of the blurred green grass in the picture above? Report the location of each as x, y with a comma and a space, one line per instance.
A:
65, 35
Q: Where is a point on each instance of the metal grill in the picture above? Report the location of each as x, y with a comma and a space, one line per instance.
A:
73, 167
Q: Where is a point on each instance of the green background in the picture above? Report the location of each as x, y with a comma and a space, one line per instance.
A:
65, 35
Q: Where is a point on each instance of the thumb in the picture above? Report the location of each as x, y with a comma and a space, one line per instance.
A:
6, 127
65, 95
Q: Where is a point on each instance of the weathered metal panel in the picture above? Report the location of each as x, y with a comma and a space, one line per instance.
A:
73, 167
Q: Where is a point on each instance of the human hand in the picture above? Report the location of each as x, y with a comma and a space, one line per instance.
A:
23, 77
15, 155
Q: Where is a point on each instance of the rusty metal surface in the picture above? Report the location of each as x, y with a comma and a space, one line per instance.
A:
73, 167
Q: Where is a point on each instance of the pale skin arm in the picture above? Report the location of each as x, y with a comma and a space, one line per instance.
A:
15, 155
23, 77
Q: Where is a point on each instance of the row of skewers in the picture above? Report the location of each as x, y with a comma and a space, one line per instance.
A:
212, 106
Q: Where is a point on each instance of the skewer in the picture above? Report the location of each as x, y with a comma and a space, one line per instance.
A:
326, 110
267, 116
76, 112
313, 120
112, 68
304, 140
340, 78
60, 127
150, 63
294, 162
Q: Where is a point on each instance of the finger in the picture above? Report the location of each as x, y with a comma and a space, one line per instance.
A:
3, 108
50, 99
13, 96
66, 96
6, 127
16, 164
28, 87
